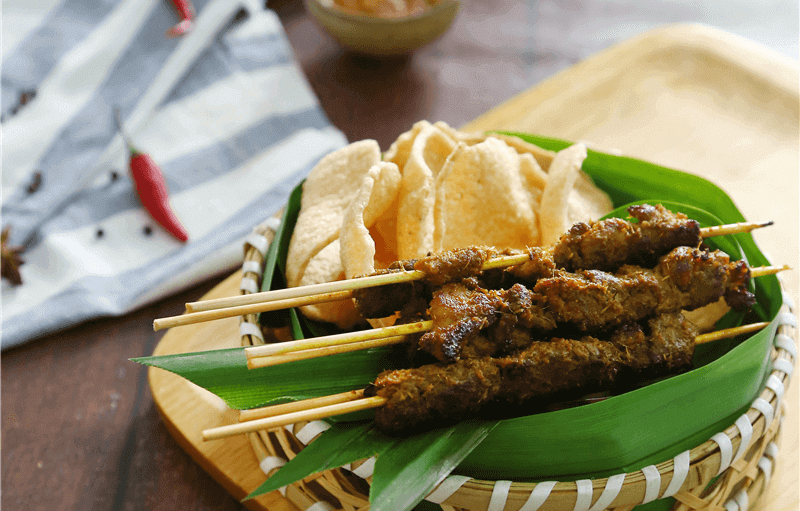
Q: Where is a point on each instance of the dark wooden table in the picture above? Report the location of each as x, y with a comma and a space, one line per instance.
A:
79, 427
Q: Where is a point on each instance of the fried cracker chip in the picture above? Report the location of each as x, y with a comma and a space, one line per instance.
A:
415, 221
564, 171
587, 202
326, 266
469, 138
481, 199
327, 192
401, 148
375, 200
543, 156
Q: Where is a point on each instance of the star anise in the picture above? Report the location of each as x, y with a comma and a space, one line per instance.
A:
10, 259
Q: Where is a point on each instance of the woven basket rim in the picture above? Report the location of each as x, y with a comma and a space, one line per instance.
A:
706, 458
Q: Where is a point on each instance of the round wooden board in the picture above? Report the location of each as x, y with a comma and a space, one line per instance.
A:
740, 132
188, 409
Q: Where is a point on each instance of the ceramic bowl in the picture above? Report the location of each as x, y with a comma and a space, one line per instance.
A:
384, 36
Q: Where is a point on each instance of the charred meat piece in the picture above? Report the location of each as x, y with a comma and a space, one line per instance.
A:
385, 301
436, 395
588, 300
608, 244
684, 279
460, 311
454, 265
540, 265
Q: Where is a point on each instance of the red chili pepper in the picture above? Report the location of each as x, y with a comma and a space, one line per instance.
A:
186, 11
152, 189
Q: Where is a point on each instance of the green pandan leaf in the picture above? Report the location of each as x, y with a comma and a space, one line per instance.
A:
225, 373
339, 445
407, 471
275, 269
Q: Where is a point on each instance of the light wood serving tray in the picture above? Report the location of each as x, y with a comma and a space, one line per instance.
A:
687, 97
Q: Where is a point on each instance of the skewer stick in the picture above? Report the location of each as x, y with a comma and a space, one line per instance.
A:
729, 332
741, 227
211, 315
312, 289
400, 277
291, 418
337, 339
762, 271
273, 360
351, 401
296, 406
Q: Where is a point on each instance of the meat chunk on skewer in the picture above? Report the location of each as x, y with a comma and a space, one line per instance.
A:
611, 243
589, 300
605, 245
439, 394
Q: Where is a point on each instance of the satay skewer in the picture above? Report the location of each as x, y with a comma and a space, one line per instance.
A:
346, 402
319, 293
271, 305
304, 349
306, 295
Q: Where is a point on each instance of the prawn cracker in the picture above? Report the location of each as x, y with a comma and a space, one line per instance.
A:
374, 202
326, 266
564, 171
328, 191
400, 149
543, 156
482, 199
415, 220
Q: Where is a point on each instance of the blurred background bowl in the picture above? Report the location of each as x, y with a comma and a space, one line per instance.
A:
384, 36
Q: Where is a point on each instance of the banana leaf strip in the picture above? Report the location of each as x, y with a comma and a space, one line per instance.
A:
407, 471
225, 373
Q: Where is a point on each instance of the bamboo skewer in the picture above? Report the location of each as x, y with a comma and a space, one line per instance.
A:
400, 277
273, 360
297, 301
312, 289
337, 404
337, 339
726, 333
290, 418
281, 353
296, 406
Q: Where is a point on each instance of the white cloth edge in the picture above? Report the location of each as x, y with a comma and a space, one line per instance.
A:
246, 328
652, 479
746, 431
447, 488
499, 497
679, 472
311, 430
585, 492
610, 492
538, 496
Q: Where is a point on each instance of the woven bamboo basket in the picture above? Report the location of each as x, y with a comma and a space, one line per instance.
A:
728, 472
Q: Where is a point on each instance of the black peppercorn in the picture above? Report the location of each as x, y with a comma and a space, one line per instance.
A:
35, 183
148, 230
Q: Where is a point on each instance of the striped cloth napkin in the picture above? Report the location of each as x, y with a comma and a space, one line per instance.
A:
224, 110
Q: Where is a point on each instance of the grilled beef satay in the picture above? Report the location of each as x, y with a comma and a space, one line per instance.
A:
609, 244
589, 300
604, 245
439, 394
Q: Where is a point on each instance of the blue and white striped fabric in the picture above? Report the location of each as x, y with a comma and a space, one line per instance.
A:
225, 111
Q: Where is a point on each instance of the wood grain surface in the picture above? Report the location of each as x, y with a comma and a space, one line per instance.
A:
552, 108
